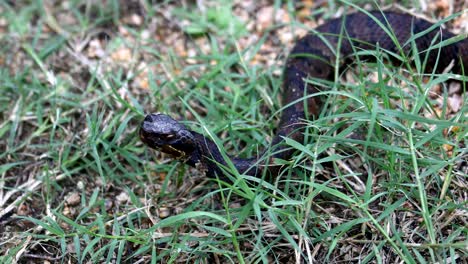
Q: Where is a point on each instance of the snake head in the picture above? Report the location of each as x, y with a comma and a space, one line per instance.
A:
163, 133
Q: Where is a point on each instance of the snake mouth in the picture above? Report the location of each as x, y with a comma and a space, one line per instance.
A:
168, 149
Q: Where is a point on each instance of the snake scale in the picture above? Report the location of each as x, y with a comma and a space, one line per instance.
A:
313, 56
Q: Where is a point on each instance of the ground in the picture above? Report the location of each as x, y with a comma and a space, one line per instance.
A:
78, 186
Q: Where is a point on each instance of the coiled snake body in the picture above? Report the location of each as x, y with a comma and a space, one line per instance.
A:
313, 56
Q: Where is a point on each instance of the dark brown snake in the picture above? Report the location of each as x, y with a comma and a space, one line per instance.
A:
313, 56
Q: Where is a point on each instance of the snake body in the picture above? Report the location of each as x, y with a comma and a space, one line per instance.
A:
314, 56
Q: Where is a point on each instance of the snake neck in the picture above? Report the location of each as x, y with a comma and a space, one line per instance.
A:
209, 159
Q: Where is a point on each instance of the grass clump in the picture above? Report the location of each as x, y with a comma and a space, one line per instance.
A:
381, 177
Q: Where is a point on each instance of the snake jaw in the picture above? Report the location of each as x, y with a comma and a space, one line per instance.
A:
173, 151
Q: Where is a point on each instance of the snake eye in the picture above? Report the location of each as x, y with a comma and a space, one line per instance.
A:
168, 136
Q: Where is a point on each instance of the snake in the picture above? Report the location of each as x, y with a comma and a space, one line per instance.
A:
317, 56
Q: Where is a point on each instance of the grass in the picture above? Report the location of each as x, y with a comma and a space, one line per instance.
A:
78, 186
